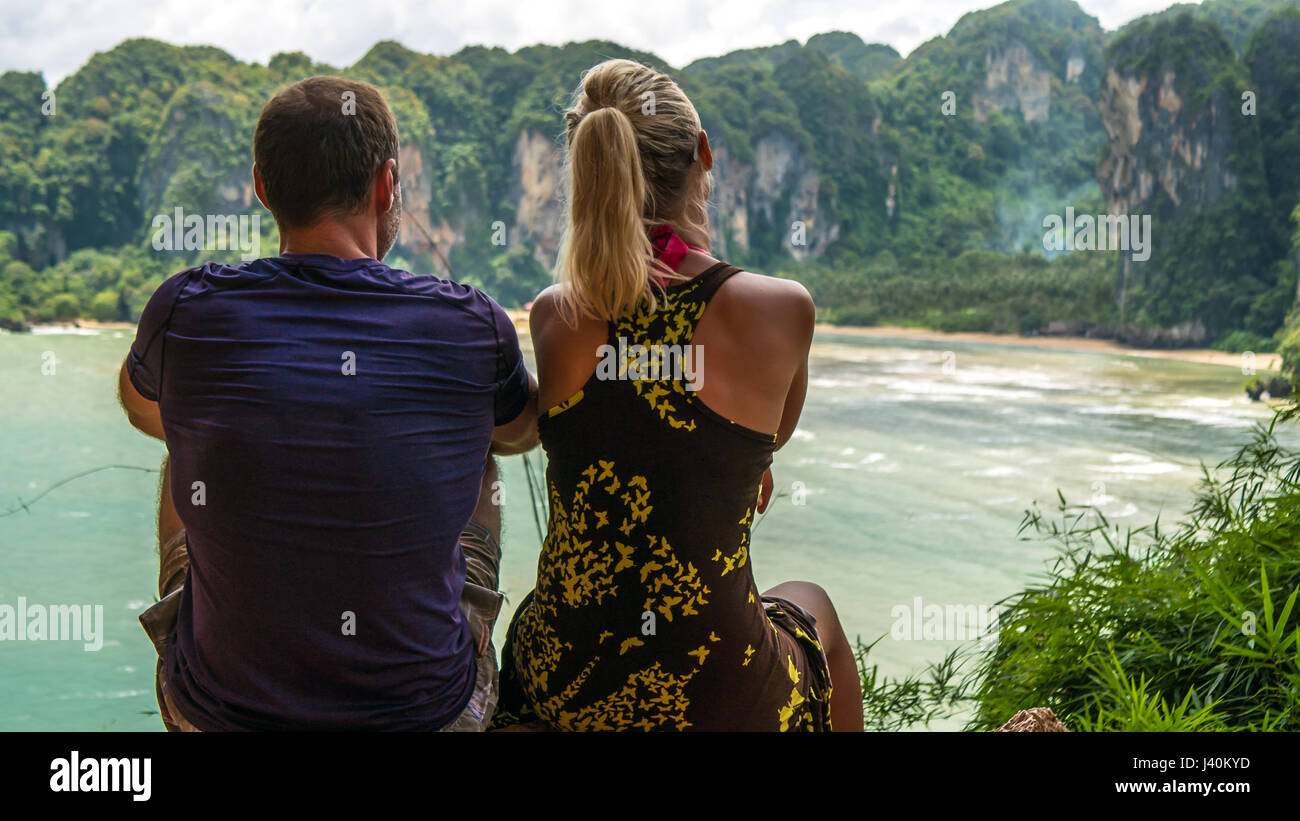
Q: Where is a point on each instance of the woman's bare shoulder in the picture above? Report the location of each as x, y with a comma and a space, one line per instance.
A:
551, 316
751, 296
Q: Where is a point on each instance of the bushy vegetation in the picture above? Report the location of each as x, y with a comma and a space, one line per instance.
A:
1239, 19
1241, 341
976, 291
1288, 346
107, 285
931, 217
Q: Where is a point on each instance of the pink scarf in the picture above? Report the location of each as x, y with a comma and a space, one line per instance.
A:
669, 249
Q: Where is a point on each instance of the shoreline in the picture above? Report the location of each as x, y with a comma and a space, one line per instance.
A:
1079, 344
79, 325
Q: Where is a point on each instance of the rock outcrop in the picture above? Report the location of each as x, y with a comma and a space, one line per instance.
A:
778, 193
535, 189
1013, 80
1033, 720
1182, 147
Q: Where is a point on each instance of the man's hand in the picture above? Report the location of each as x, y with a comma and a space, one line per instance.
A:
142, 413
765, 491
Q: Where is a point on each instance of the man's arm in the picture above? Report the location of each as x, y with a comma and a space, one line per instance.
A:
520, 434
142, 413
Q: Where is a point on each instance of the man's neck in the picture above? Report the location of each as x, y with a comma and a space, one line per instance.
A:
337, 239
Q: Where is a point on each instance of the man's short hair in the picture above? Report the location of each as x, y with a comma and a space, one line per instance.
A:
318, 145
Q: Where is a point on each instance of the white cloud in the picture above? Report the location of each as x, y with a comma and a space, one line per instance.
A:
58, 36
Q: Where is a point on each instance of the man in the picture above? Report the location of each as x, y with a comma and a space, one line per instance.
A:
328, 421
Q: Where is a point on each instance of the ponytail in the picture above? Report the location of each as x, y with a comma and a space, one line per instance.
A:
605, 261
632, 164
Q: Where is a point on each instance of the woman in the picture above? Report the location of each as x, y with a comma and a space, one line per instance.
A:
646, 615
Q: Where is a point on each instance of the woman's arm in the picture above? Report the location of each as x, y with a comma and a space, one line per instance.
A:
566, 355
802, 319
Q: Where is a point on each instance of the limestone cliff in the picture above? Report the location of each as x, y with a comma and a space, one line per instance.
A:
1014, 80
535, 191
1183, 148
777, 194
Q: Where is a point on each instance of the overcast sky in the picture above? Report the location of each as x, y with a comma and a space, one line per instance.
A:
57, 36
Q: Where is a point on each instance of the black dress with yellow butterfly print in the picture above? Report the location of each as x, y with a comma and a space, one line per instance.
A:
645, 615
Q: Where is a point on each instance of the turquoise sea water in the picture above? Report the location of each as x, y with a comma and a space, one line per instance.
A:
914, 462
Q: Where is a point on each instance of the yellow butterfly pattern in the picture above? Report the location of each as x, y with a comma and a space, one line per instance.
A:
622, 631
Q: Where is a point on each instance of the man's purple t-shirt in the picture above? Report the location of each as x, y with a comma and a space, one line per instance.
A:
328, 423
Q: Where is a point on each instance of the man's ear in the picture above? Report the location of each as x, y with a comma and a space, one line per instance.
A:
258, 188
384, 187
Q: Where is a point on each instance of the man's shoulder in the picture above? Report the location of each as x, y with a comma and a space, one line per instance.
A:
467, 300
458, 294
209, 276
457, 300
380, 276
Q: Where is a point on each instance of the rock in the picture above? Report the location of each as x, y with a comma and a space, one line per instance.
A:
1034, 720
1177, 148
1279, 387
1014, 80
1061, 327
1186, 335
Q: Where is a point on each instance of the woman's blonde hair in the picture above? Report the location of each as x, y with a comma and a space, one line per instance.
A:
632, 163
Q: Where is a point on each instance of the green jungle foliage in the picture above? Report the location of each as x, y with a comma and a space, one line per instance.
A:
935, 215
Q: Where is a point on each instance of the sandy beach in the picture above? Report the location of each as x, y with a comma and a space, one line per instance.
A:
1205, 356
83, 325
1263, 361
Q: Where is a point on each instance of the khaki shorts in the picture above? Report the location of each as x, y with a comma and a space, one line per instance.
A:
480, 602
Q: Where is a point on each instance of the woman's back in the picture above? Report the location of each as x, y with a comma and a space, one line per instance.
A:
666, 404
646, 614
